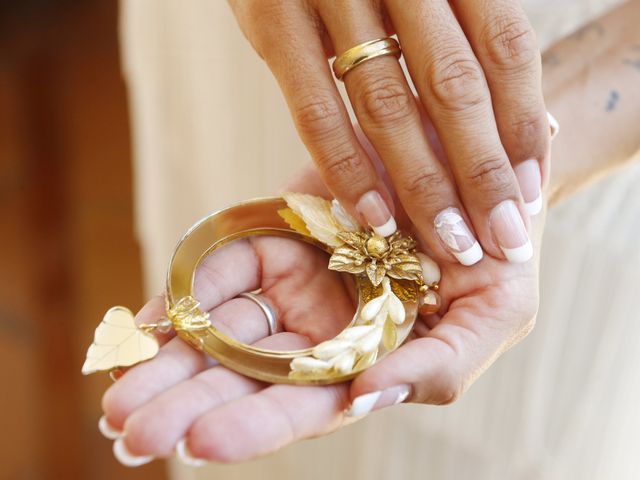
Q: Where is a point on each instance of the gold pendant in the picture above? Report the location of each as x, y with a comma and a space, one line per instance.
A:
389, 282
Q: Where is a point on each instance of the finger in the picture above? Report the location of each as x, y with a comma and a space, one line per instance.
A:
453, 89
290, 43
266, 421
218, 277
241, 318
505, 44
292, 266
439, 367
156, 426
389, 116
177, 361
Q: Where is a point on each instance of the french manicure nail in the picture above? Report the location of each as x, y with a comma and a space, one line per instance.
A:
375, 211
108, 430
530, 181
185, 455
126, 458
553, 125
370, 402
457, 237
510, 232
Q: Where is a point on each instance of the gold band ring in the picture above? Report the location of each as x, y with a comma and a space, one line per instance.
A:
363, 52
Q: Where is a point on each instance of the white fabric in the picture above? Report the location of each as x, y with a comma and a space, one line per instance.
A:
211, 127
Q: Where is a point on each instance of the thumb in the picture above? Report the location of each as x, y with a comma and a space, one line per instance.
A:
435, 369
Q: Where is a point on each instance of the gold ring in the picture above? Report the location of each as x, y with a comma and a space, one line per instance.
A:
363, 52
388, 272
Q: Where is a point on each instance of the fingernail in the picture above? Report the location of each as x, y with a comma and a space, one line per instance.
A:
375, 211
510, 232
107, 429
126, 458
553, 125
185, 455
457, 237
530, 181
370, 402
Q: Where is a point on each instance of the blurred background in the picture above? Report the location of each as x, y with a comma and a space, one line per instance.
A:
67, 249
204, 107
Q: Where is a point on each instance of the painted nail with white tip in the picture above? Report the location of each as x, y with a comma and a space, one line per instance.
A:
370, 402
375, 211
510, 232
126, 458
185, 455
530, 181
457, 237
107, 430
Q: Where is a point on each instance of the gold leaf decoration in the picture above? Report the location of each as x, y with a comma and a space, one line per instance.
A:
389, 335
405, 266
186, 315
405, 290
367, 290
294, 221
356, 240
118, 342
316, 214
346, 259
376, 272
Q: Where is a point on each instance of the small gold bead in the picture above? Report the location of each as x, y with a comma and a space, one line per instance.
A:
377, 246
430, 303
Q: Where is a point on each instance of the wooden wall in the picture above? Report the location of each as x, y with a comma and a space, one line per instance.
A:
67, 245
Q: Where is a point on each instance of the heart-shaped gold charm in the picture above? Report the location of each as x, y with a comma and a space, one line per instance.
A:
118, 342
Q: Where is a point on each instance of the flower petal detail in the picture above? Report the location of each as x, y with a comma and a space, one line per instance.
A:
376, 272
405, 267
316, 213
356, 240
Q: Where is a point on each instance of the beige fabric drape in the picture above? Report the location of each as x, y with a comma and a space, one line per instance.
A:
211, 127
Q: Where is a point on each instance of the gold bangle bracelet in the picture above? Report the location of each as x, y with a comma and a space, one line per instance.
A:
364, 52
400, 282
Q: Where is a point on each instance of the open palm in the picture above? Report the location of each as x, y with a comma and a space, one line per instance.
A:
181, 397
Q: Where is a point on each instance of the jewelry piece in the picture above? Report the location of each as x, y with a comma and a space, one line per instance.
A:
272, 321
389, 278
363, 52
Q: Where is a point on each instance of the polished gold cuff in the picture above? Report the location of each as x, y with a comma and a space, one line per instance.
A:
388, 275
363, 52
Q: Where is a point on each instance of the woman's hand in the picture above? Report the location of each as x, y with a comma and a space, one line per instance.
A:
226, 417
476, 67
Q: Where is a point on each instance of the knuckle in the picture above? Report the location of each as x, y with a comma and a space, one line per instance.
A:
385, 99
317, 116
456, 81
425, 187
531, 127
529, 137
346, 163
491, 174
510, 42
